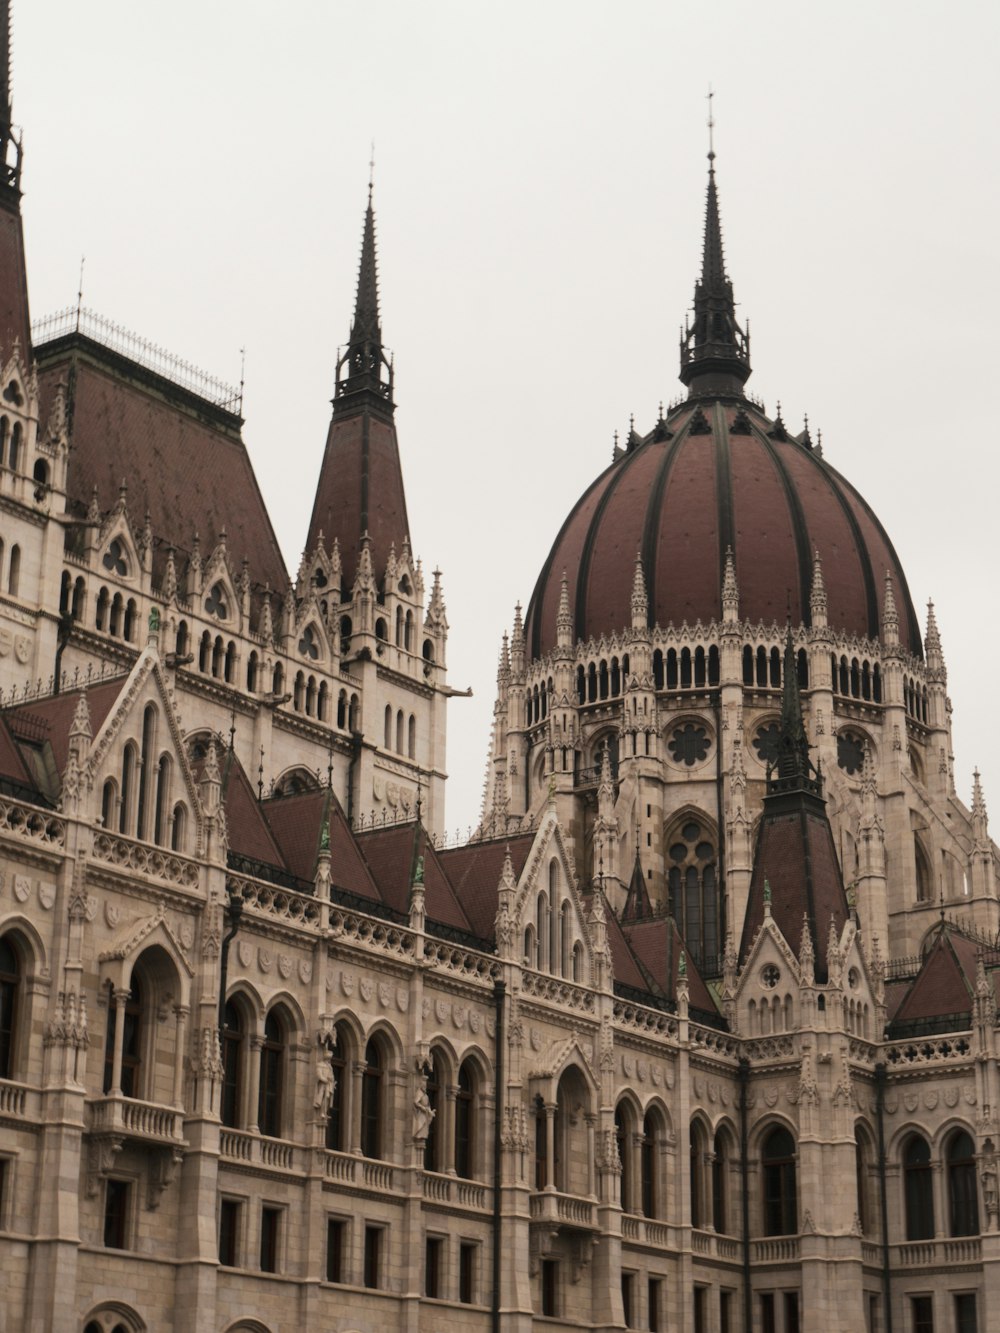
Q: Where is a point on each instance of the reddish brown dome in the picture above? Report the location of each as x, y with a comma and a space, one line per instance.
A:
718, 474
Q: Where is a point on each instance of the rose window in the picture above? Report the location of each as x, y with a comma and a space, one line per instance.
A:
766, 743
689, 745
850, 752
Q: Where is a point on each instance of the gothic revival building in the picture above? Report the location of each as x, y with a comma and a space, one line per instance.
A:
699, 1032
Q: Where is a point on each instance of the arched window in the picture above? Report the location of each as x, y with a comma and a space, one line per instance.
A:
4, 435
311, 697
336, 1125
79, 597
117, 612
272, 1059
388, 727
128, 779
252, 672
381, 630
101, 612
963, 1202
761, 666
218, 656
411, 737
278, 679
10, 987
131, 1038
372, 1081
131, 611
178, 831
205, 652
400, 723
541, 930
408, 632
692, 878
145, 769
465, 1122
346, 629
428, 650
685, 668
435, 1087
342, 710
233, 1038
649, 1153
183, 640
399, 627
699, 1152
323, 701
918, 1188
780, 1194
298, 691
162, 799
14, 574
922, 866
623, 1138
15, 446
230, 665
721, 1156
109, 796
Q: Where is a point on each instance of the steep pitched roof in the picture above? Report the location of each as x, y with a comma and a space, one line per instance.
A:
297, 825
41, 729
475, 869
658, 944
945, 986
391, 854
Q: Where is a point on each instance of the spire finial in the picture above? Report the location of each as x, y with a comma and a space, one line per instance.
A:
364, 364
711, 129
371, 174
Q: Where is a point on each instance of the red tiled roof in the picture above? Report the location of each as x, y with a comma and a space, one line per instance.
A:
187, 470
12, 766
389, 853
249, 834
360, 489
14, 318
658, 945
297, 825
475, 871
682, 500
945, 984
52, 717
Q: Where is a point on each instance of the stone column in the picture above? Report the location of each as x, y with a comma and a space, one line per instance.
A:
120, 999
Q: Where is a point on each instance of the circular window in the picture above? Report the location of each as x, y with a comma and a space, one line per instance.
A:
678, 851
850, 752
689, 745
766, 743
770, 975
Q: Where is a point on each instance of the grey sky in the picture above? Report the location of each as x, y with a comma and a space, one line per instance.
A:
540, 173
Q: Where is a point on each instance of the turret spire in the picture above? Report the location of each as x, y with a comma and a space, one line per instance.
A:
715, 351
794, 770
10, 144
361, 365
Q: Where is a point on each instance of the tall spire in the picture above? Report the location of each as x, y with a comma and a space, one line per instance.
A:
10, 143
361, 365
715, 351
793, 770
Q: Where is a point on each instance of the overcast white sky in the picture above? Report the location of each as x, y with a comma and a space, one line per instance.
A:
540, 173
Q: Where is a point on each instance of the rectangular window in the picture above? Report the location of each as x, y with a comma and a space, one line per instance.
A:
550, 1287
116, 1200
965, 1313
270, 1236
5, 1174
628, 1290
922, 1311
700, 1298
871, 1312
654, 1300
725, 1312
373, 1255
767, 1312
467, 1256
335, 1235
432, 1266
229, 1233
791, 1312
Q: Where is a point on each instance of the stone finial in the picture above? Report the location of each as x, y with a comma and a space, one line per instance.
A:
80, 727
807, 955
890, 616
730, 589
640, 600
436, 617
834, 959
266, 617
170, 577
980, 823
364, 580
767, 897
937, 672
517, 646
564, 617
817, 594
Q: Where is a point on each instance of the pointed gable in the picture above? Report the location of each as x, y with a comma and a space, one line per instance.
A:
658, 945
41, 729
391, 854
944, 989
296, 823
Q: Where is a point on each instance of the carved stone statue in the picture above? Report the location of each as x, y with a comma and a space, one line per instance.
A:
423, 1112
326, 1084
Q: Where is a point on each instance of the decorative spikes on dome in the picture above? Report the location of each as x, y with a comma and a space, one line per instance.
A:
778, 431
741, 424
890, 616
699, 424
564, 619
730, 589
640, 601
817, 594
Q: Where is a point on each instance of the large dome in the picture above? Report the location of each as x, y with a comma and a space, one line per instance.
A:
717, 474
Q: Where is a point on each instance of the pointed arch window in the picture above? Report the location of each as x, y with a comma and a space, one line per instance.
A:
918, 1189
963, 1203
622, 1139
779, 1180
648, 1158
233, 1038
372, 1081
465, 1122
216, 603
694, 889
14, 571
10, 986
272, 1059
720, 1182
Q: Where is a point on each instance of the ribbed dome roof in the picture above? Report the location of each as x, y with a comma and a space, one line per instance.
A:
718, 473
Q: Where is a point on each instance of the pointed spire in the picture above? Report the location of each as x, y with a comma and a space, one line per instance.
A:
817, 594
10, 143
890, 616
640, 601
793, 764
807, 954
980, 823
730, 589
361, 366
715, 351
937, 672
564, 618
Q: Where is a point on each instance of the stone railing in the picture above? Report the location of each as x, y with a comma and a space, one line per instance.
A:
117, 1114
554, 989
139, 858
278, 1154
371, 933
340, 1167
295, 909
644, 1230
776, 1250
469, 1194
17, 1101
567, 1210
447, 1189
938, 1253
653, 1022
466, 963
28, 821
711, 1244
929, 1050
236, 1145
871, 1254
631, 1228
437, 1188
714, 1040
377, 1175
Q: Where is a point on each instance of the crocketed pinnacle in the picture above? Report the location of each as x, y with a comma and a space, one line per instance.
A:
363, 366
715, 351
794, 770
